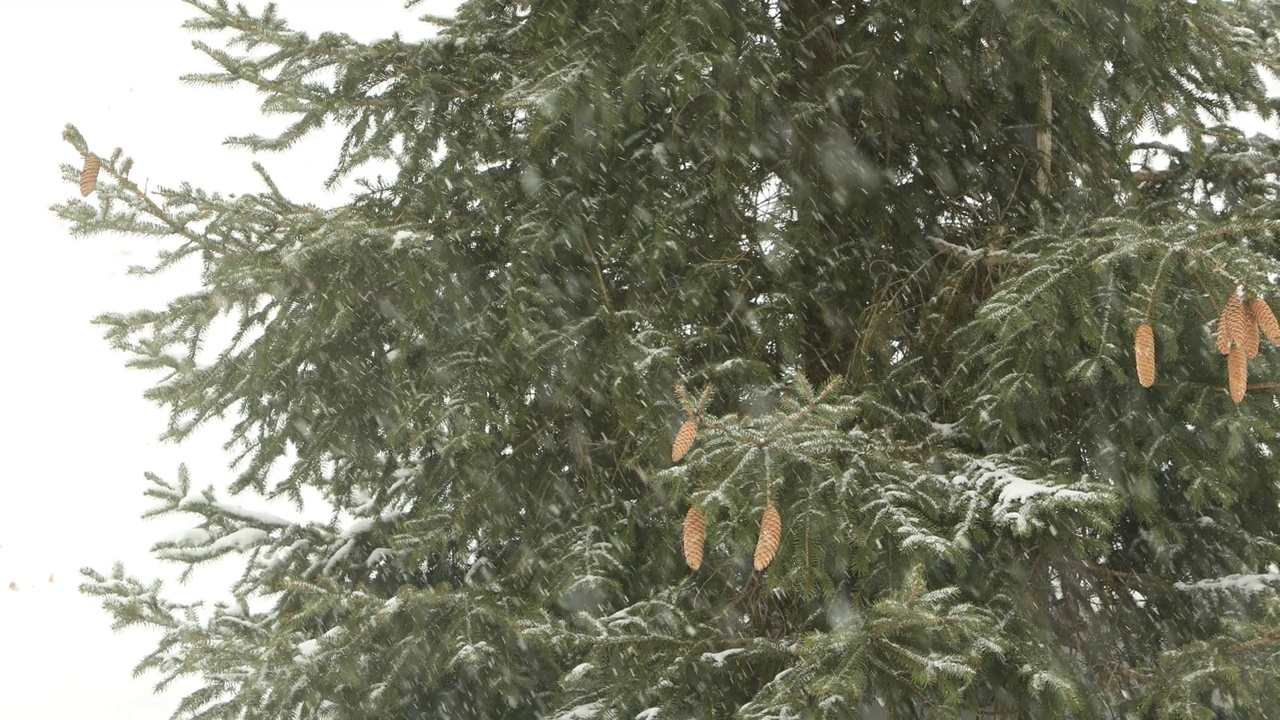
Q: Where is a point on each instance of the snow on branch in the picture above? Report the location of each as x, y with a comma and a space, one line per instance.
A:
1021, 498
984, 256
1247, 583
254, 517
183, 497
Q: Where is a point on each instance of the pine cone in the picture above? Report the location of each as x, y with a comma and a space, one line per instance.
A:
1266, 320
89, 175
1144, 351
1251, 340
770, 536
1232, 324
694, 537
1237, 373
685, 436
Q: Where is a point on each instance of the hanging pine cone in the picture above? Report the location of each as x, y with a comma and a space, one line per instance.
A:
685, 436
1251, 338
1237, 373
770, 536
89, 175
694, 537
1232, 324
1266, 320
1144, 351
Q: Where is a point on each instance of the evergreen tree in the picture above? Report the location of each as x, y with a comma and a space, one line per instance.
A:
903, 271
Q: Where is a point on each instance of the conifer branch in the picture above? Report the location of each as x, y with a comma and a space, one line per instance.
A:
121, 177
1044, 138
804, 412
984, 256
1147, 175
157, 212
595, 263
1155, 282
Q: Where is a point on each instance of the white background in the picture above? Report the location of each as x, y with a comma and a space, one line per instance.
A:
75, 433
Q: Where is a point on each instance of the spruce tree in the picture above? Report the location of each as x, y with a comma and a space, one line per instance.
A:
902, 272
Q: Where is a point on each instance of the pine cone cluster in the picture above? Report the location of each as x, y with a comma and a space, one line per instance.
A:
694, 533
694, 537
1240, 329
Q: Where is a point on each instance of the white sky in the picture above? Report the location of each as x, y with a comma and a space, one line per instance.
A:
75, 428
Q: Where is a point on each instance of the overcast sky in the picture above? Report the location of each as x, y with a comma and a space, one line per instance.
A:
75, 431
